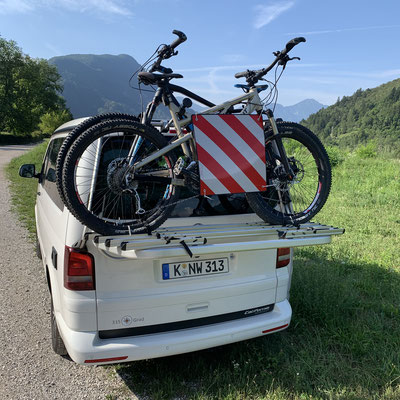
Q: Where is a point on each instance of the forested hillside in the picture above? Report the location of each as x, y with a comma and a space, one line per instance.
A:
367, 115
95, 84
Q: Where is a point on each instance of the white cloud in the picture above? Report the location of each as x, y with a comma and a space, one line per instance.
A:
106, 7
267, 13
232, 58
14, 6
340, 30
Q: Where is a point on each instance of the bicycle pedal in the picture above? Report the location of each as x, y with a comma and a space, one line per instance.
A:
179, 165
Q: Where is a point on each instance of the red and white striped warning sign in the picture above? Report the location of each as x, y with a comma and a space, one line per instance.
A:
231, 153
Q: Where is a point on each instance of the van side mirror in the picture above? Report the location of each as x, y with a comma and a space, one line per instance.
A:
28, 171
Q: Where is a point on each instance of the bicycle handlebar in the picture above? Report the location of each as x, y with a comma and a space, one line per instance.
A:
167, 51
254, 76
289, 45
181, 38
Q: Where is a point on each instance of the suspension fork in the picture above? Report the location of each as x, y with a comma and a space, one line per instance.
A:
279, 145
145, 120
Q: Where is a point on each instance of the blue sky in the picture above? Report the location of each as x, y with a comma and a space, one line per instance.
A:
350, 44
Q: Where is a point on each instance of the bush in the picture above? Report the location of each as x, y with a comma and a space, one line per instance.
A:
366, 151
336, 155
7, 139
50, 121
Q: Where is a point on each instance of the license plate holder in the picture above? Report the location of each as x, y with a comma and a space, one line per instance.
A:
194, 268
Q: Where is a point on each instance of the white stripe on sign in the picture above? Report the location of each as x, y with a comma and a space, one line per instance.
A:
234, 171
212, 182
239, 143
232, 149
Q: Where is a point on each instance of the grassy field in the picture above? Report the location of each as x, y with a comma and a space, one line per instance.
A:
344, 339
23, 191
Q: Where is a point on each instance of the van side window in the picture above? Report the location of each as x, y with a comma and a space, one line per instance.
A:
49, 172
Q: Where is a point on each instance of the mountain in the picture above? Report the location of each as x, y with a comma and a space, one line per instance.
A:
371, 114
96, 84
299, 111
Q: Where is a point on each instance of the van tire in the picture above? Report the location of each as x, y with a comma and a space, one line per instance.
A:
57, 343
38, 250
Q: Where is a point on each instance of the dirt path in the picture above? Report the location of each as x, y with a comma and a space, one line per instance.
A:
28, 367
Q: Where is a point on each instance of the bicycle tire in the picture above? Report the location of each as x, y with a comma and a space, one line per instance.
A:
74, 134
89, 197
301, 203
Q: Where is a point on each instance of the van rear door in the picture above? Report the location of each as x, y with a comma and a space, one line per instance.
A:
191, 272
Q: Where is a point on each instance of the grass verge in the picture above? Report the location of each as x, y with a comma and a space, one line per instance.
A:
23, 190
344, 339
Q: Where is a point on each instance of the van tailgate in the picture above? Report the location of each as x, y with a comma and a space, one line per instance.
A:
186, 276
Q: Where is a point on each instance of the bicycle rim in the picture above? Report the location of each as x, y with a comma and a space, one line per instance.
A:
101, 192
298, 198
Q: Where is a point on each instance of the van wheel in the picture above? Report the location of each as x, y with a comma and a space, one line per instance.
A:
57, 343
38, 250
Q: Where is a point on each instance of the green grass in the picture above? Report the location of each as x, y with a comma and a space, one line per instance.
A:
344, 339
23, 190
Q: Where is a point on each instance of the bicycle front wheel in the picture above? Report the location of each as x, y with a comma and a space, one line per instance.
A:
297, 198
100, 188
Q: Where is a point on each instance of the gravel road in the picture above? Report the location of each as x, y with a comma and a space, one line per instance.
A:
28, 367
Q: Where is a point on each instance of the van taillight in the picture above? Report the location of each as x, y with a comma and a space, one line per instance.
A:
78, 270
283, 257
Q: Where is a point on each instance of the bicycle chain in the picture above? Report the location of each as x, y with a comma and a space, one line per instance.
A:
171, 204
176, 202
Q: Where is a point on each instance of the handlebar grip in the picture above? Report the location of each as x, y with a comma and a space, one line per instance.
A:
240, 74
181, 38
289, 45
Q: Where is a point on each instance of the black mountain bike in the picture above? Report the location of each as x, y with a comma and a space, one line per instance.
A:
118, 174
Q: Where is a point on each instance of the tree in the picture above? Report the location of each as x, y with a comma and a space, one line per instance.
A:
50, 121
29, 88
11, 61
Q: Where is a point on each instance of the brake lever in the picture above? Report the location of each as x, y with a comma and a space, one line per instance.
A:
286, 58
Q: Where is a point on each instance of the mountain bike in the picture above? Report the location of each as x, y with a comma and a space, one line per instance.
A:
119, 174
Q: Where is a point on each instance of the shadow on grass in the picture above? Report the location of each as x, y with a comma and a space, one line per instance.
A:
343, 342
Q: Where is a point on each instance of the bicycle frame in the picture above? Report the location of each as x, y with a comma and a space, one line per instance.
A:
253, 104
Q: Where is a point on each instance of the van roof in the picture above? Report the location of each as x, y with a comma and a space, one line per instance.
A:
68, 126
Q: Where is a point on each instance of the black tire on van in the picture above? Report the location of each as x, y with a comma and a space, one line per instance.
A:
38, 250
57, 343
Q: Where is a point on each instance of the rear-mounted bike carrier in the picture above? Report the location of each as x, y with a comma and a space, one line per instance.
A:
202, 240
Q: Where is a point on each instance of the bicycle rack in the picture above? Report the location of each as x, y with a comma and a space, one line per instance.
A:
208, 239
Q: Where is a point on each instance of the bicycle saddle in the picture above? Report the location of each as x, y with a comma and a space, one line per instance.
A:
149, 78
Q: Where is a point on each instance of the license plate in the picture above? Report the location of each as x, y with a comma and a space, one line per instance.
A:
189, 269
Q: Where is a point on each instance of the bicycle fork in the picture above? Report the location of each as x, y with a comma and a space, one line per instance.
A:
286, 208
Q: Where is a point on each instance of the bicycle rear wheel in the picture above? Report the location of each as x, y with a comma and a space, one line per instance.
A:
74, 134
293, 199
99, 188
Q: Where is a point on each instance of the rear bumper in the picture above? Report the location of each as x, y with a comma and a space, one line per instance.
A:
87, 347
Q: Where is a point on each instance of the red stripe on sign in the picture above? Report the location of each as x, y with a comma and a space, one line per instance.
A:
234, 122
227, 147
220, 173
205, 190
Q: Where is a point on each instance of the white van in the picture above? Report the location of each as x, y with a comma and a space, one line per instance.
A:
207, 277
